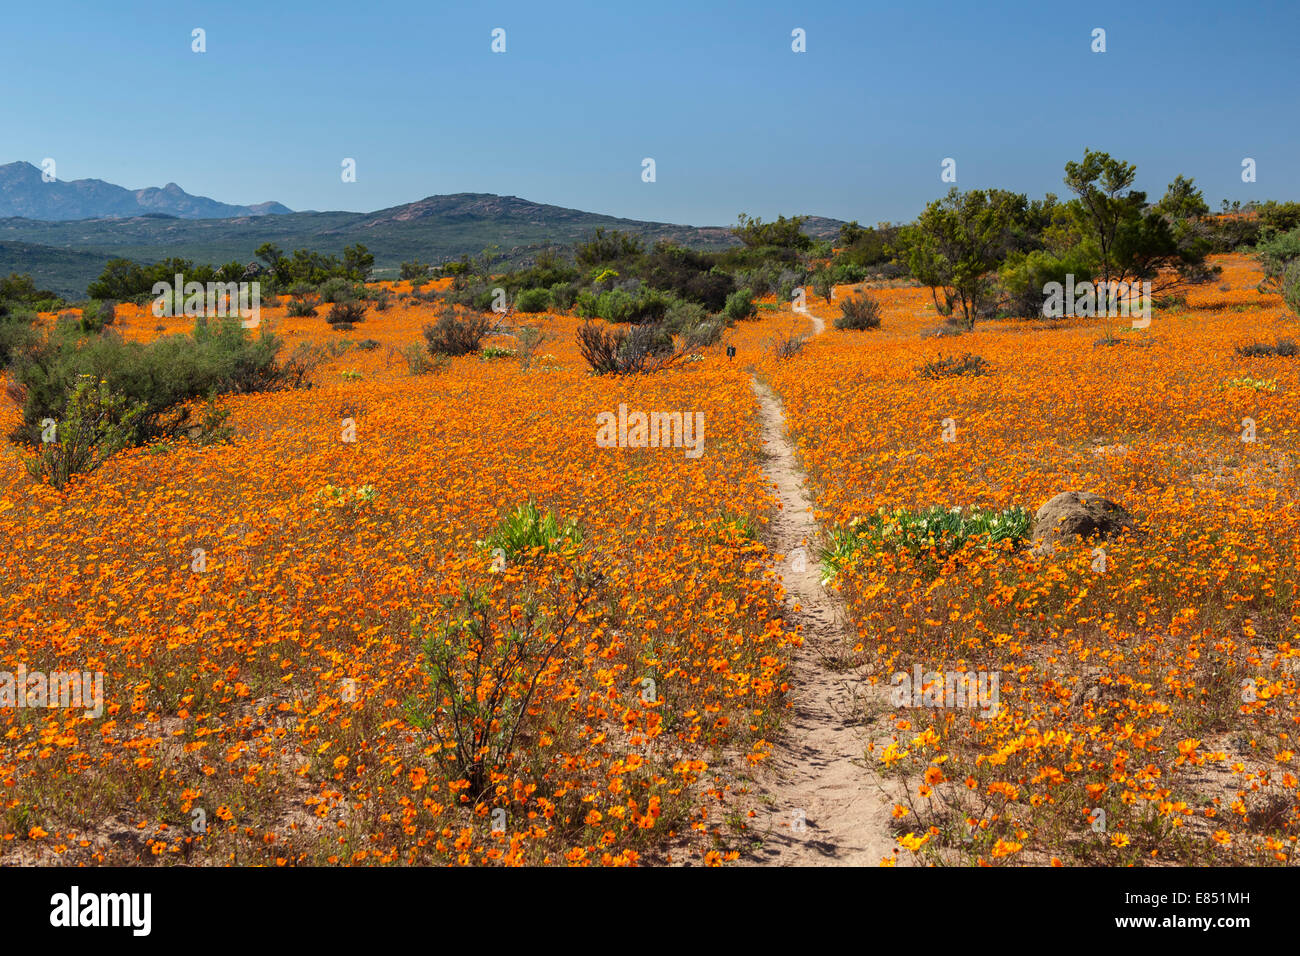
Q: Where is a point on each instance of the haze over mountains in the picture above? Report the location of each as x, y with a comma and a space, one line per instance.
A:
65, 242
23, 192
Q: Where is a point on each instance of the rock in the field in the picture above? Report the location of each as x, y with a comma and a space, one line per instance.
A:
1077, 514
252, 271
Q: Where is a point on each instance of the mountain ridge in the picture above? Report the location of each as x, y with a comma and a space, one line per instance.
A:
24, 193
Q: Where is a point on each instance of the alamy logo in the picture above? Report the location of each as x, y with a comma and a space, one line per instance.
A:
653, 430
951, 689
103, 909
70, 690
1106, 299
210, 300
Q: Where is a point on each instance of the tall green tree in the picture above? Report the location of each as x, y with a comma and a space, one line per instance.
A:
958, 241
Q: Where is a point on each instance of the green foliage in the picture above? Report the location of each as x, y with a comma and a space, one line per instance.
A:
1182, 200
17, 330
161, 378
823, 283
529, 339
301, 306
533, 300
337, 289
528, 532
740, 306
96, 315
95, 425
605, 247
932, 533
1024, 275
685, 274
124, 279
1291, 287
563, 295
617, 305
1275, 256
957, 241
420, 361
483, 670
17, 287
783, 233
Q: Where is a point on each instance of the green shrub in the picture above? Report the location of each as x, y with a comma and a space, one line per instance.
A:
564, 294
17, 330
618, 305
681, 317
1291, 287
300, 307
1275, 257
163, 376
528, 532
740, 305
419, 361
823, 283
936, 531
339, 289
533, 300
529, 339
859, 314
96, 315
95, 425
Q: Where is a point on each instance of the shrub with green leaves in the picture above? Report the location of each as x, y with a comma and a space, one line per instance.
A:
339, 289
164, 376
619, 305
1275, 257
533, 300
95, 425
483, 669
17, 330
301, 307
1291, 287
529, 532
740, 305
96, 315
938, 532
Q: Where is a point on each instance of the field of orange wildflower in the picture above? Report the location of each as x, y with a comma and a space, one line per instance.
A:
263, 611
1148, 708
262, 637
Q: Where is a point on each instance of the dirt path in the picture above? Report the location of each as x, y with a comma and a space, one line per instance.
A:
818, 777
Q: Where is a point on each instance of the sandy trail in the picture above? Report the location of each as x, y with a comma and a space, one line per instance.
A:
821, 804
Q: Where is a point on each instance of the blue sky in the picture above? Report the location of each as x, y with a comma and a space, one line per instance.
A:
855, 128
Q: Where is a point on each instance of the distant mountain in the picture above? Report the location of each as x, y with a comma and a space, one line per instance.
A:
24, 193
434, 229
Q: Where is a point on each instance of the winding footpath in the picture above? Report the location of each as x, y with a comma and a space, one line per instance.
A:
821, 803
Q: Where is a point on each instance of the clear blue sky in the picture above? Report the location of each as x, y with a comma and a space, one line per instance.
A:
854, 128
